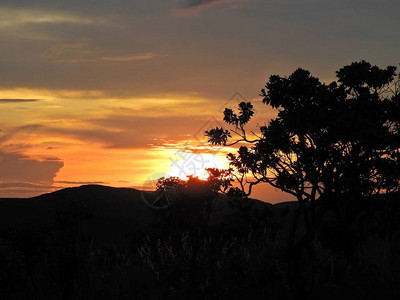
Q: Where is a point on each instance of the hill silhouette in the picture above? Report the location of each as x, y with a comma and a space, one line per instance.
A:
108, 214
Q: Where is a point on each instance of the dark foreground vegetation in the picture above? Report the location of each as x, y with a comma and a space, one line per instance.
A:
181, 255
334, 147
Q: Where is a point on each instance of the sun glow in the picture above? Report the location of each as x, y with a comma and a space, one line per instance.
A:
195, 164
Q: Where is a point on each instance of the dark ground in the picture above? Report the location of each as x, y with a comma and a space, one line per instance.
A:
98, 242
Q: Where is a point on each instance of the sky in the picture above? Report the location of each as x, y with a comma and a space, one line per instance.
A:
120, 92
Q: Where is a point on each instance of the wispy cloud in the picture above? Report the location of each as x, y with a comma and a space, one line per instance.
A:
139, 57
19, 16
190, 8
20, 129
81, 52
145, 56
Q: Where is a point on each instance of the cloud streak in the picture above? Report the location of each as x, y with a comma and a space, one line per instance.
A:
129, 58
81, 52
17, 100
9, 100
190, 8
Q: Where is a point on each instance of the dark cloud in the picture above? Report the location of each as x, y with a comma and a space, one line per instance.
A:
18, 100
194, 3
199, 3
189, 8
25, 176
16, 167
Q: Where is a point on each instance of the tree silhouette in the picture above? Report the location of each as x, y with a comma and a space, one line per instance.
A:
194, 199
328, 144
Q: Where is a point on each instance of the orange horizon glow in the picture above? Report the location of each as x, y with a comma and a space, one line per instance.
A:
54, 128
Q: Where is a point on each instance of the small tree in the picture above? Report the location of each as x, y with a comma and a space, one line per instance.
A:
329, 142
194, 200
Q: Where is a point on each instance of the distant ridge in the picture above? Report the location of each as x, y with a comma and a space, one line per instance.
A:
115, 211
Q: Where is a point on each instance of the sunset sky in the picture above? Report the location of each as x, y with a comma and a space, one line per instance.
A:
116, 92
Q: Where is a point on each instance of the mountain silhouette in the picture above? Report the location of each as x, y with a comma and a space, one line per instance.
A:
108, 214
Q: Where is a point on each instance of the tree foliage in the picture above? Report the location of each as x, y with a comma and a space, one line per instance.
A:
328, 142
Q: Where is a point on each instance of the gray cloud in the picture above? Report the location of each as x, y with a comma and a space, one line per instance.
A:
20, 174
212, 55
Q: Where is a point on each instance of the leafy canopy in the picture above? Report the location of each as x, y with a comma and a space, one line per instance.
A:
328, 141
